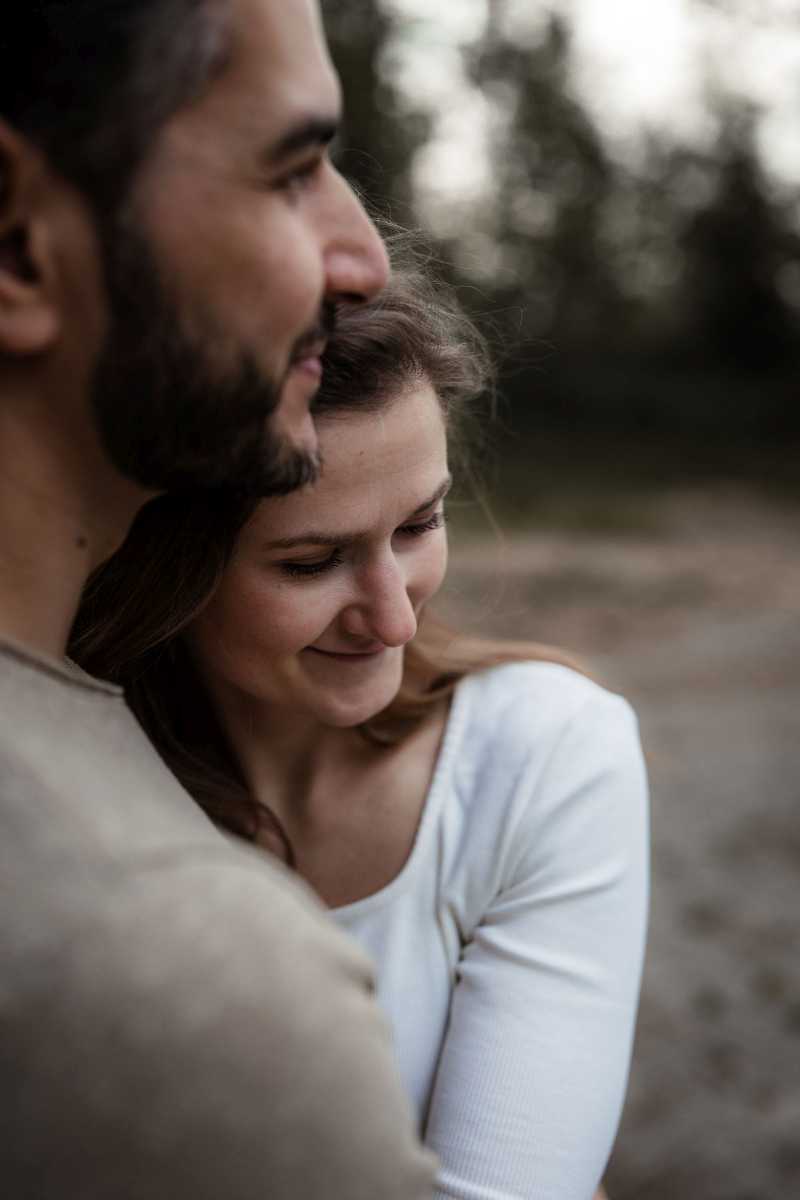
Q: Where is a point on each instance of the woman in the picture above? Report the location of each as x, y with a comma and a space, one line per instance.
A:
473, 812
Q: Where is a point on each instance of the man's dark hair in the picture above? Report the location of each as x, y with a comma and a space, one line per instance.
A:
92, 81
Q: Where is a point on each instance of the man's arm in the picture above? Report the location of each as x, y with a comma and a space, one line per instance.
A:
206, 1034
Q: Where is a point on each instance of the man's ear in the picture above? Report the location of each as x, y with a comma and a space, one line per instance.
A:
29, 312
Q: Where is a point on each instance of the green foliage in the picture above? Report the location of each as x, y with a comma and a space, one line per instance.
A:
735, 251
657, 300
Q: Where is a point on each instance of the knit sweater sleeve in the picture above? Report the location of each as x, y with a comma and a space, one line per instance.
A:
532, 1074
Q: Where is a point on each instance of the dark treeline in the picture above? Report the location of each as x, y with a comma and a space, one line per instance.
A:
662, 299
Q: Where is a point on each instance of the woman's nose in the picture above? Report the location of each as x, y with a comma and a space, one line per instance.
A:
384, 611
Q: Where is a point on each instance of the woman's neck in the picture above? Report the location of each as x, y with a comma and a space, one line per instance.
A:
349, 808
282, 753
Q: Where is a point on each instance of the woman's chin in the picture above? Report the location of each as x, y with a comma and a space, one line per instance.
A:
346, 713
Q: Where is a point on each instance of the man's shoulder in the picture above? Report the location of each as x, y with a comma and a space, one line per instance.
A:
78, 777
99, 841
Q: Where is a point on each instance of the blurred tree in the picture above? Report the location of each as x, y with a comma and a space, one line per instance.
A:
553, 184
655, 299
555, 277
382, 128
736, 250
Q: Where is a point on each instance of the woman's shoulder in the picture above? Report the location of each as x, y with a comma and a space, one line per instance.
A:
547, 763
519, 716
545, 695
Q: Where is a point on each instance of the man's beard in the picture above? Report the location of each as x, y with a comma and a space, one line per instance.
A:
168, 417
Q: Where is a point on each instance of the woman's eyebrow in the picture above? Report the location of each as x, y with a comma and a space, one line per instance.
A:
318, 538
439, 494
311, 538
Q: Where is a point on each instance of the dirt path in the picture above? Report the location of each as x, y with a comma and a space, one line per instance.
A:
699, 625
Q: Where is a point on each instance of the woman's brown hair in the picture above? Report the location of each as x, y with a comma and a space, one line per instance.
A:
137, 604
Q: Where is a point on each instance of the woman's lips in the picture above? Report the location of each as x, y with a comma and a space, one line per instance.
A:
309, 366
308, 358
348, 656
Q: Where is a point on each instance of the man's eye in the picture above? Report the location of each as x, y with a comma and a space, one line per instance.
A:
300, 176
305, 570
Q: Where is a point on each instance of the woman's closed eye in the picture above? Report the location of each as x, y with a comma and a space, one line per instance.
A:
299, 569
416, 529
307, 570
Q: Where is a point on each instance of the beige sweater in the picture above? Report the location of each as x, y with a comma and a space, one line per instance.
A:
179, 1018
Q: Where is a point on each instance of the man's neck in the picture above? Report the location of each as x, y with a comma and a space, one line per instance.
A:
58, 521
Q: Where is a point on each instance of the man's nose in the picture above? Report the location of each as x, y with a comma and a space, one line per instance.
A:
356, 262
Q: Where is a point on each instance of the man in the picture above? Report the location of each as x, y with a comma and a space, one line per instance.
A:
179, 1019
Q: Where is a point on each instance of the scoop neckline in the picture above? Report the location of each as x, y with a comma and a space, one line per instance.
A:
431, 806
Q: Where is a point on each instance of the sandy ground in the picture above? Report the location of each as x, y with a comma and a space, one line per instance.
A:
697, 623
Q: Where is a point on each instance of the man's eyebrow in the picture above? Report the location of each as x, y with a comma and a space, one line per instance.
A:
318, 538
310, 131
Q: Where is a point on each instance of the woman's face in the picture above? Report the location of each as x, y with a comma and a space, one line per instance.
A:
325, 585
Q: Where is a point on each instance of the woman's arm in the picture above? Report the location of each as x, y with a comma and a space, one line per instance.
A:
534, 1065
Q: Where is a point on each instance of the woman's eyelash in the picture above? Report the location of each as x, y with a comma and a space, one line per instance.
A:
300, 569
434, 522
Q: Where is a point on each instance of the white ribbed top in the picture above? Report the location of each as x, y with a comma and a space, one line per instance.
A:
509, 948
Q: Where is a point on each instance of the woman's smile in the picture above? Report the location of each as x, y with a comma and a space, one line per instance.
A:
325, 585
349, 656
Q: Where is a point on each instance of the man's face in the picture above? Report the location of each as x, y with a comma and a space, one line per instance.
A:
222, 272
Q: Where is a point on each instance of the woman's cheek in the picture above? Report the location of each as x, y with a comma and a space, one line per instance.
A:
436, 567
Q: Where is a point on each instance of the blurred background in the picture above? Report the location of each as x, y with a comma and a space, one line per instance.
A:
614, 188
